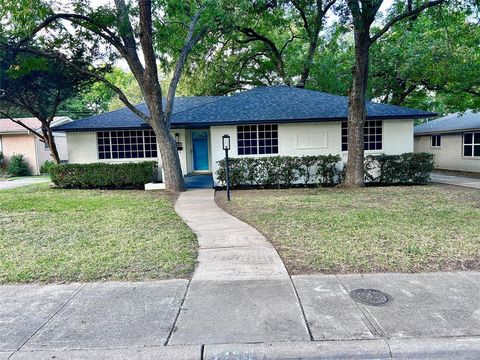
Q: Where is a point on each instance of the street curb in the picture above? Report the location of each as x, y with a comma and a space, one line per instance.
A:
465, 348
444, 348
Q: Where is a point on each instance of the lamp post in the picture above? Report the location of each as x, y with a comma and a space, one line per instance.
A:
226, 147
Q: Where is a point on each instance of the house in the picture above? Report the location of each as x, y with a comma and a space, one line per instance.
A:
453, 139
15, 139
264, 121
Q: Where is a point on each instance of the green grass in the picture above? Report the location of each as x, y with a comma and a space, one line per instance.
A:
52, 235
411, 229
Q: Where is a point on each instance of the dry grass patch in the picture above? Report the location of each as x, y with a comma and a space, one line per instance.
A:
330, 230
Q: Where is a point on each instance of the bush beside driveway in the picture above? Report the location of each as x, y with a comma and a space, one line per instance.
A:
375, 229
52, 235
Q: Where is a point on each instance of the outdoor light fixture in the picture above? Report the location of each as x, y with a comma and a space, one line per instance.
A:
177, 140
226, 142
226, 147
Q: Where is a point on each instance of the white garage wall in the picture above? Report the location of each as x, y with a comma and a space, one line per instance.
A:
449, 155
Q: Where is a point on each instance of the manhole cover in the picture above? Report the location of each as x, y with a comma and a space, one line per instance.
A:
370, 297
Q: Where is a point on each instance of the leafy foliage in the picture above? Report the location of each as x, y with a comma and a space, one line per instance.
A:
281, 171
17, 166
104, 176
407, 168
46, 167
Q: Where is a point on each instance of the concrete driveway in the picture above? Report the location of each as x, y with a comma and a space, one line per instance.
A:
12, 184
456, 180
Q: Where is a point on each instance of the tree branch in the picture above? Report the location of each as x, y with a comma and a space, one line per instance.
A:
190, 41
7, 116
116, 89
404, 15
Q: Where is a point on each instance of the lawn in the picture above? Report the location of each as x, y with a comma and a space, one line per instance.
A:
52, 235
330, 230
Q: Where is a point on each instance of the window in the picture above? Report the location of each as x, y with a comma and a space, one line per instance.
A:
436, 140
127, 144
471, 144
257, 139
372, 135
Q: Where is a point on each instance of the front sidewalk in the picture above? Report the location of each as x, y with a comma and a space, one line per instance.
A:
429, 314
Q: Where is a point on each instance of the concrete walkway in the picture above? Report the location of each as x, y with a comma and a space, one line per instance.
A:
12, 184
240, 291
456, 180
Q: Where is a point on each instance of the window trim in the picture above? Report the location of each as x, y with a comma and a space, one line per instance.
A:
257, 139
472, 144
439, 141
368, 150
123, 159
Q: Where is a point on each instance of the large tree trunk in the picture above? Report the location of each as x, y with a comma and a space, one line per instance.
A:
49, 139
356, 111
172, 169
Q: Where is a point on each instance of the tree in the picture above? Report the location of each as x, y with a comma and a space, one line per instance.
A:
431, 62
100, 98
134, 34
37, 86
364, 13
268, 42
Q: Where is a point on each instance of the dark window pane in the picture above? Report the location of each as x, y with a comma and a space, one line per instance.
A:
467, 138
476, 138
467, 150
476, 150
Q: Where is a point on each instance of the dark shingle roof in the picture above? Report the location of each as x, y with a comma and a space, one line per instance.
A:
262, 104
125, 119
456, 122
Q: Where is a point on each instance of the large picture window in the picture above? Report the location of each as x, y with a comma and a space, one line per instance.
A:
126, 144
257, 139
372, 135
471, 144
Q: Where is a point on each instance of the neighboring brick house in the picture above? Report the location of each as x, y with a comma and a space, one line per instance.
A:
15, 139
453, 139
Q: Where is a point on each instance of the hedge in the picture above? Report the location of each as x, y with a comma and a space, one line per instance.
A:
281, 171
324, 170
103, 175
407, 168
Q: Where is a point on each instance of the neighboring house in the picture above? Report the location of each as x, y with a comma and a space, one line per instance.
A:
15, 139
265, 121
453, 139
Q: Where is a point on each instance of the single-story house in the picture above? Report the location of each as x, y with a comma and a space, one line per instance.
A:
15, 139
264, 121
454, 139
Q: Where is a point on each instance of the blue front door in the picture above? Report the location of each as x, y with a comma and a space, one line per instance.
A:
200, 150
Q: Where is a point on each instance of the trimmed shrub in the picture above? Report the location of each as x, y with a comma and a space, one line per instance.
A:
103, 175
281, 171
45, 168
407, 168
17, 166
